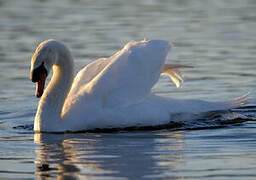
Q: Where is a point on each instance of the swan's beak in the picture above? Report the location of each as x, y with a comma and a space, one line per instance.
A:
38, 76
40, 85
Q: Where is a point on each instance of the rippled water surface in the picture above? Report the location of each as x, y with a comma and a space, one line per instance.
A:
217, 37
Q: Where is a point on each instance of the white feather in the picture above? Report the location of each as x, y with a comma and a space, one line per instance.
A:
172, 72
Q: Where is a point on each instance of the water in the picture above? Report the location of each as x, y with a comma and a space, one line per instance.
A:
216, 37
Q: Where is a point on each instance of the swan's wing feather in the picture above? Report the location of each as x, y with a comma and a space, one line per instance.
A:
86, 74
172, 71
130, 73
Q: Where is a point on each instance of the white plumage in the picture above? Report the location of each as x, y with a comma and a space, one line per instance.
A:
112, 92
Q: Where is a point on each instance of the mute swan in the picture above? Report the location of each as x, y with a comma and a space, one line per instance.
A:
112, 92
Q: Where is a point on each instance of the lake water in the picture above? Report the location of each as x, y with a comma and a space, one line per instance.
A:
217, 37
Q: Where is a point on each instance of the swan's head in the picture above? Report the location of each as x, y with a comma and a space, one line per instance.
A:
44, 57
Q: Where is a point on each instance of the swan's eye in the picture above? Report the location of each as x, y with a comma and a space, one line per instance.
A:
36, 73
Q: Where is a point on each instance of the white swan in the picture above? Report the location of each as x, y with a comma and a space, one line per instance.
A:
112, 92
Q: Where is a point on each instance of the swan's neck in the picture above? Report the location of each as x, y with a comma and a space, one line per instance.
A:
48, 116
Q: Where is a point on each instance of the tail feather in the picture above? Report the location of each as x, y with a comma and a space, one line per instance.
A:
174, 74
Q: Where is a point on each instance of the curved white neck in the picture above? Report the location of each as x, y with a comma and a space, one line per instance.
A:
48, 116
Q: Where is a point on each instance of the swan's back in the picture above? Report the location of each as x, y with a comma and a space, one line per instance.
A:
126, 77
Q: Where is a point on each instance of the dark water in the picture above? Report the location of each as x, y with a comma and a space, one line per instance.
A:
216, 37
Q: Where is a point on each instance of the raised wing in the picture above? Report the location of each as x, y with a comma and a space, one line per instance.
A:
86, 74
130, 73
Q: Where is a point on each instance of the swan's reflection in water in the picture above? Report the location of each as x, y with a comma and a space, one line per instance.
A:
118, 155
